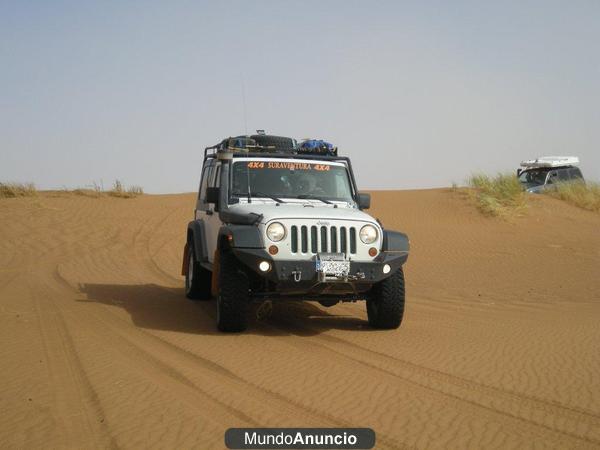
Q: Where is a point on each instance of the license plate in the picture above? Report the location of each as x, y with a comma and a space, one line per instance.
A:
332, 264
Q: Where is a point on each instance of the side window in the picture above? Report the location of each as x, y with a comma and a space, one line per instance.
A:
575, 173
563, 175
552, 178
206, 174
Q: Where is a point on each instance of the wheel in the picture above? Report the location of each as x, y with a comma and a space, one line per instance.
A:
385, 302
197, 279
233, 298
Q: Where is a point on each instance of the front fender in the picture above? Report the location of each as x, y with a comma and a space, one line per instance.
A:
241, 236
197, 232
396, 243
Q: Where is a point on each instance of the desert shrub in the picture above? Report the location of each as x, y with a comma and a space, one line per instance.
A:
583, 195
11, 190
119, 190
500, 196
85, 192
91, 190
135, 190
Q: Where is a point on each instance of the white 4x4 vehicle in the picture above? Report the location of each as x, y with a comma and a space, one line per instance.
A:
273, 222
546, 172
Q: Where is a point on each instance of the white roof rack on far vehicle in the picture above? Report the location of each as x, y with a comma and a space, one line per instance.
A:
550, 161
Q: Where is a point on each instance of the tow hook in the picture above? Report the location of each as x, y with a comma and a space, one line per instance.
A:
297, 274
265, 310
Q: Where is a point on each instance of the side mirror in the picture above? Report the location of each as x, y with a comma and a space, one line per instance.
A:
212, 196
364, 200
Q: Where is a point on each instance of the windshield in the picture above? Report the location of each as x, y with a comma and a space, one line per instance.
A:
290, 179
533, 178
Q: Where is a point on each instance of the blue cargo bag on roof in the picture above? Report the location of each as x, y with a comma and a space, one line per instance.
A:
317, 146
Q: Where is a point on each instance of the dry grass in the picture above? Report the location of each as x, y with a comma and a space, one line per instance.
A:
583, 195
86, 192
499, 196
120, 191
11, 190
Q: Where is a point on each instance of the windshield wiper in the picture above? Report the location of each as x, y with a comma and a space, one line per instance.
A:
314, 197
262, 194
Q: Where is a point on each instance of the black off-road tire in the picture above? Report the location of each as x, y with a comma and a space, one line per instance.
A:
233, 299
385, 302
197, 278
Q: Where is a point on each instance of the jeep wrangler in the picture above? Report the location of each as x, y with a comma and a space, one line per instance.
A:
274, 222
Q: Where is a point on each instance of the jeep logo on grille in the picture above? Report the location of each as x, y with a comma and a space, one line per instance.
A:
323, 222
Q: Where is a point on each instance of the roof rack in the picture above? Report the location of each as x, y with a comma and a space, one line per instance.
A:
550, 161
274, 146
316, 156
222, 151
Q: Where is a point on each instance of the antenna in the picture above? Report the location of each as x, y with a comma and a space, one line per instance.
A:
244, 103
248, 179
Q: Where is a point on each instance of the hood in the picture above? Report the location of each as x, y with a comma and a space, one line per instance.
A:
307, 210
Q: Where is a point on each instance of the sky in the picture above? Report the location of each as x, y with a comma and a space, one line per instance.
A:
418, 94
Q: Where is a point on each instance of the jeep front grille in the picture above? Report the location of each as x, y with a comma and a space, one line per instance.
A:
315, 239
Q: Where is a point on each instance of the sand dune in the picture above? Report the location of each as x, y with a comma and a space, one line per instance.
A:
99, 347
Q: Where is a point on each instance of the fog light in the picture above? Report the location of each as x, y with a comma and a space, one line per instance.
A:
372, 251
264, 266
273, 250
386, 268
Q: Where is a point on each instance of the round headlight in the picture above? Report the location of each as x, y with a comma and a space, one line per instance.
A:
276, 231
368, 234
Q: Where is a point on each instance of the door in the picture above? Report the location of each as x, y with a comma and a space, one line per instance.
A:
212, 222
575, 174
206, 211
563, 175
552, 178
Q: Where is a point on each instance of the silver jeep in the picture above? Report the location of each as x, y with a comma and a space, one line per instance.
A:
276, 223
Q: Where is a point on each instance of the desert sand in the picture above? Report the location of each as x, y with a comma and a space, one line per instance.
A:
499, 348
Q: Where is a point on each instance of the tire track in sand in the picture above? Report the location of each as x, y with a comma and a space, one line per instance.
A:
575, 423
77, 402
141, 349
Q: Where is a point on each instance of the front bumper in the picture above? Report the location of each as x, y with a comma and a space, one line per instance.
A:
302, 274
